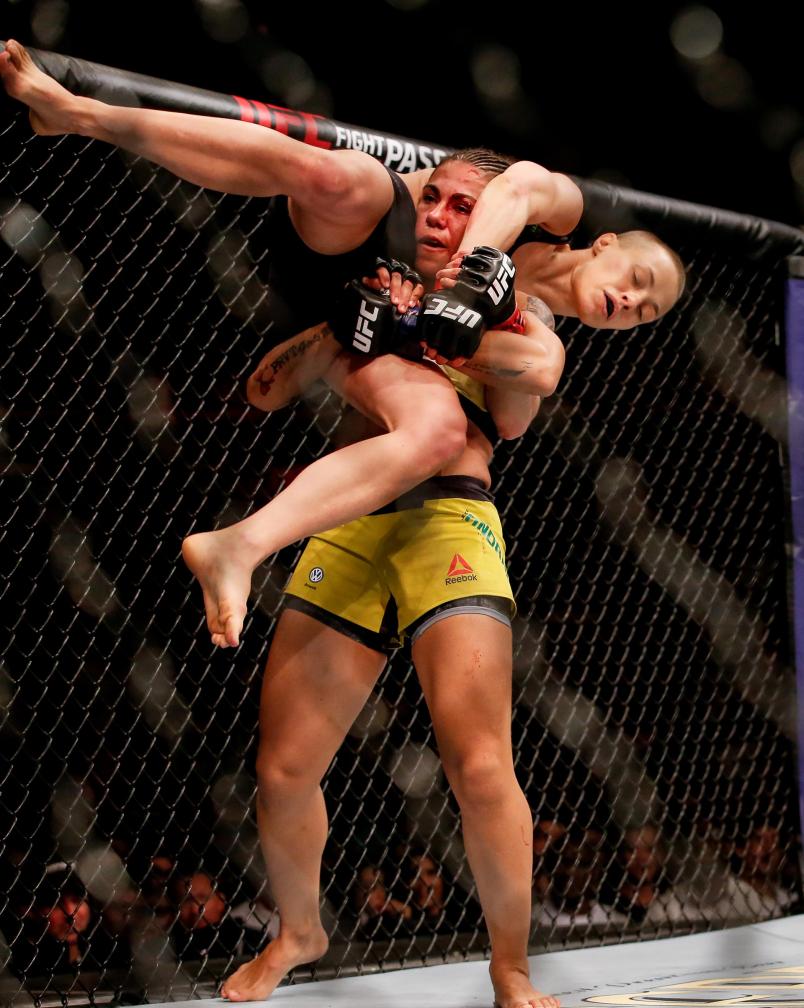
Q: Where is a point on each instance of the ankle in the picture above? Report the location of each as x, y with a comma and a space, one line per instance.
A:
509, 963
303, 932
82, 120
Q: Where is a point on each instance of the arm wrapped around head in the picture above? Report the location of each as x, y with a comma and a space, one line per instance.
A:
453, 321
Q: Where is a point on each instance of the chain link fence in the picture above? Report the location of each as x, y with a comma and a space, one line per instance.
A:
654, 716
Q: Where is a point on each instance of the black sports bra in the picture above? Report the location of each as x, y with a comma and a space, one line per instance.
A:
535, 233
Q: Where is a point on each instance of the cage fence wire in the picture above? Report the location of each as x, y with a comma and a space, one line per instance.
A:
654, 703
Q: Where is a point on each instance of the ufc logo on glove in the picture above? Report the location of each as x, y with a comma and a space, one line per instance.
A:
465, 316
499, 287
364, 334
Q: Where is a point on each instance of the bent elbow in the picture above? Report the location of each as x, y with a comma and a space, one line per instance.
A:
253, 398
511, 431
549, 383
262, 400
543, 382
550, 374
527, 178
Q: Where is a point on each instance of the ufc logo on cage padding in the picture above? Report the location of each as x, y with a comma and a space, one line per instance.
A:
364, 334
466, 316
499, 287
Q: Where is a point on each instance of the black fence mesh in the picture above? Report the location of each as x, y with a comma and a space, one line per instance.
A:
645, 518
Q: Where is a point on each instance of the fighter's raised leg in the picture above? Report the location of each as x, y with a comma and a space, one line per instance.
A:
403, 399
337, 197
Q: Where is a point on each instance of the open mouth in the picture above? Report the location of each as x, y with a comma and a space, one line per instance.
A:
433, 243
609, 305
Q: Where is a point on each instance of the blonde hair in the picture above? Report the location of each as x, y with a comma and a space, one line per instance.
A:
634, 237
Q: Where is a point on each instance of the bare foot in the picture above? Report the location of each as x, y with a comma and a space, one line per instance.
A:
225, 579
256, 980
51, 106
513, 989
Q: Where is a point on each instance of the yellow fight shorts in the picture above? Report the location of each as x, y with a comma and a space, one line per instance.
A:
434, 552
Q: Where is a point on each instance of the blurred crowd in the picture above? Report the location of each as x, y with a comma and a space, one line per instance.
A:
583, 877
640, 877
65, 924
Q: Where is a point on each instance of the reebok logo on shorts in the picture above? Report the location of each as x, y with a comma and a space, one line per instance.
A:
459, 570
459, 566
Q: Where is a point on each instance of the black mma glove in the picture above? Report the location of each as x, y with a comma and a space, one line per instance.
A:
447, 325
397, 266
453, 321
364, 321
488, 274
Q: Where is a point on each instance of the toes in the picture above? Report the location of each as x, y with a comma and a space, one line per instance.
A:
233, 627
218, 634
214, 623
211, 610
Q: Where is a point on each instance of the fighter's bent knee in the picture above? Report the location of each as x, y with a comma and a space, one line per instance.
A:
443, 441
346, 183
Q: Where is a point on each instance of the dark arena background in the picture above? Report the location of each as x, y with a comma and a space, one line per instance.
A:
647, 514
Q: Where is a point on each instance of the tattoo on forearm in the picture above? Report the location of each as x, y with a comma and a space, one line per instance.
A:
270, 370
497, 372
541, 311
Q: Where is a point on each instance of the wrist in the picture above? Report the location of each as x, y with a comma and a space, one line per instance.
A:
514, 323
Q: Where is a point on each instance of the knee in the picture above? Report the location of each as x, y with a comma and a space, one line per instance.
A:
480, 778
450, 436
327, 177
334, 181
280, 779
439, 440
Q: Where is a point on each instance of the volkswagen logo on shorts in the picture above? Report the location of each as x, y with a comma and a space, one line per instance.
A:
316, 575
